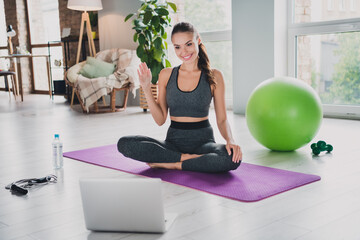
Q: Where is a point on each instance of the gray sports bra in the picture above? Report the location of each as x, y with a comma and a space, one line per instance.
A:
195, 103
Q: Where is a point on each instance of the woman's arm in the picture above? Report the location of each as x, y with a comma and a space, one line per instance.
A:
159, 108
221, 118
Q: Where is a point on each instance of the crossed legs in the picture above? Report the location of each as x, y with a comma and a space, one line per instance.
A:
209, 157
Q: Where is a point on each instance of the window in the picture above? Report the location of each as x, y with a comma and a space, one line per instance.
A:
44, 21
212, 19
353, 5
318, 10
3, 38
326, 55
4, 64
330, 5
331, 66
45, 33
342, 5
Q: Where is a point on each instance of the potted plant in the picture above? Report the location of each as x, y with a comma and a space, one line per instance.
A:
93, 16
150, 22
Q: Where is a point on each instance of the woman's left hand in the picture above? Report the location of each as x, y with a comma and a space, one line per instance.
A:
237, 154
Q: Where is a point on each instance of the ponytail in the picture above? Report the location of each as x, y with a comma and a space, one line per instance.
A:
203, 62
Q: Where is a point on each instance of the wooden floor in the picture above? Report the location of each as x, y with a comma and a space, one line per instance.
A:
327, 209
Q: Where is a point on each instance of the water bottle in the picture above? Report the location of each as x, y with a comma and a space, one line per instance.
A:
57, 152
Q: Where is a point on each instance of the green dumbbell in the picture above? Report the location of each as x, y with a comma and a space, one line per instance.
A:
321, 146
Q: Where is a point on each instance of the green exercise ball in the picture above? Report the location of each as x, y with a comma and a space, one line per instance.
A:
283, 113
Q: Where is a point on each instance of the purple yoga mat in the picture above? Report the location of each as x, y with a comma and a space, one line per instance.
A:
248, 183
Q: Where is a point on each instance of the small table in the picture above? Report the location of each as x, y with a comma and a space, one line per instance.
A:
17, 66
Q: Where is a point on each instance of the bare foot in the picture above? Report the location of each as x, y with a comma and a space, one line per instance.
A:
176, 165
187, 156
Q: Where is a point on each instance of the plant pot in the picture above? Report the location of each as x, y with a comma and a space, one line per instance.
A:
143, 103
93, 34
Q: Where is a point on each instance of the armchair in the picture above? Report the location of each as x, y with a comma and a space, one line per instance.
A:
124, 78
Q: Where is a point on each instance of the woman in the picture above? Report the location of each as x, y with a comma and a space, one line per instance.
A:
186, 91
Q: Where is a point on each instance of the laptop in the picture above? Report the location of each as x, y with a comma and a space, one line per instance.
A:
124, 205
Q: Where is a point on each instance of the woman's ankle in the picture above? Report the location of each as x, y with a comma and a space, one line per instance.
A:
187, 156
176, 166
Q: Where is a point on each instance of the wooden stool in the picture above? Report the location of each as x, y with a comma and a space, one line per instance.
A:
12, 75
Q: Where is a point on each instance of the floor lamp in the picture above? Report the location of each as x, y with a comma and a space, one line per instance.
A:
85, 5
10, 33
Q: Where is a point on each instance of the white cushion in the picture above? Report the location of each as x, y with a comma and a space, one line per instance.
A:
73, 72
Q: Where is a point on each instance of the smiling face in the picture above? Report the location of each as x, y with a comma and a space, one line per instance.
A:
186, 46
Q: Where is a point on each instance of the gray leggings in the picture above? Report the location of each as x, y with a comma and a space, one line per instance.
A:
181, 140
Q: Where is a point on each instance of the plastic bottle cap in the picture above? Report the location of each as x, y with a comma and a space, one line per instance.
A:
56, 135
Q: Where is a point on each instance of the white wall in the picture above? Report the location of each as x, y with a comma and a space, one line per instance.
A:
280, 38
259, 48
113, 31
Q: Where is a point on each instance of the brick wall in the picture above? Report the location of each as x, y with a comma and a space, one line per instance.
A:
11, 17
24, 41
15, 15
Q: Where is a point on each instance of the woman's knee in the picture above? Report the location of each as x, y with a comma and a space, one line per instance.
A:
235, 165
125, 144
232, 165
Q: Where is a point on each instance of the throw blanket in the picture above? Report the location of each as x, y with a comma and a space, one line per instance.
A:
125, 74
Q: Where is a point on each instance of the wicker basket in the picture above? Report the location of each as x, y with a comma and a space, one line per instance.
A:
143, 103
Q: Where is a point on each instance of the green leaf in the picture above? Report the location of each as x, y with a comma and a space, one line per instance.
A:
140, 51
138, 23
155, 79
168, 64
144, 58
147, 17
158, 42
143, 7
155, 70
158, 54
172, 5
142, 39
161, 30
164, 36
162, 11
155, 21
128, 16
148, 35
135, 37
166, 45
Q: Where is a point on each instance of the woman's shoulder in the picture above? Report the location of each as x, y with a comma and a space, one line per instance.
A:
218, 75
164, 75
216, 72
166, 71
